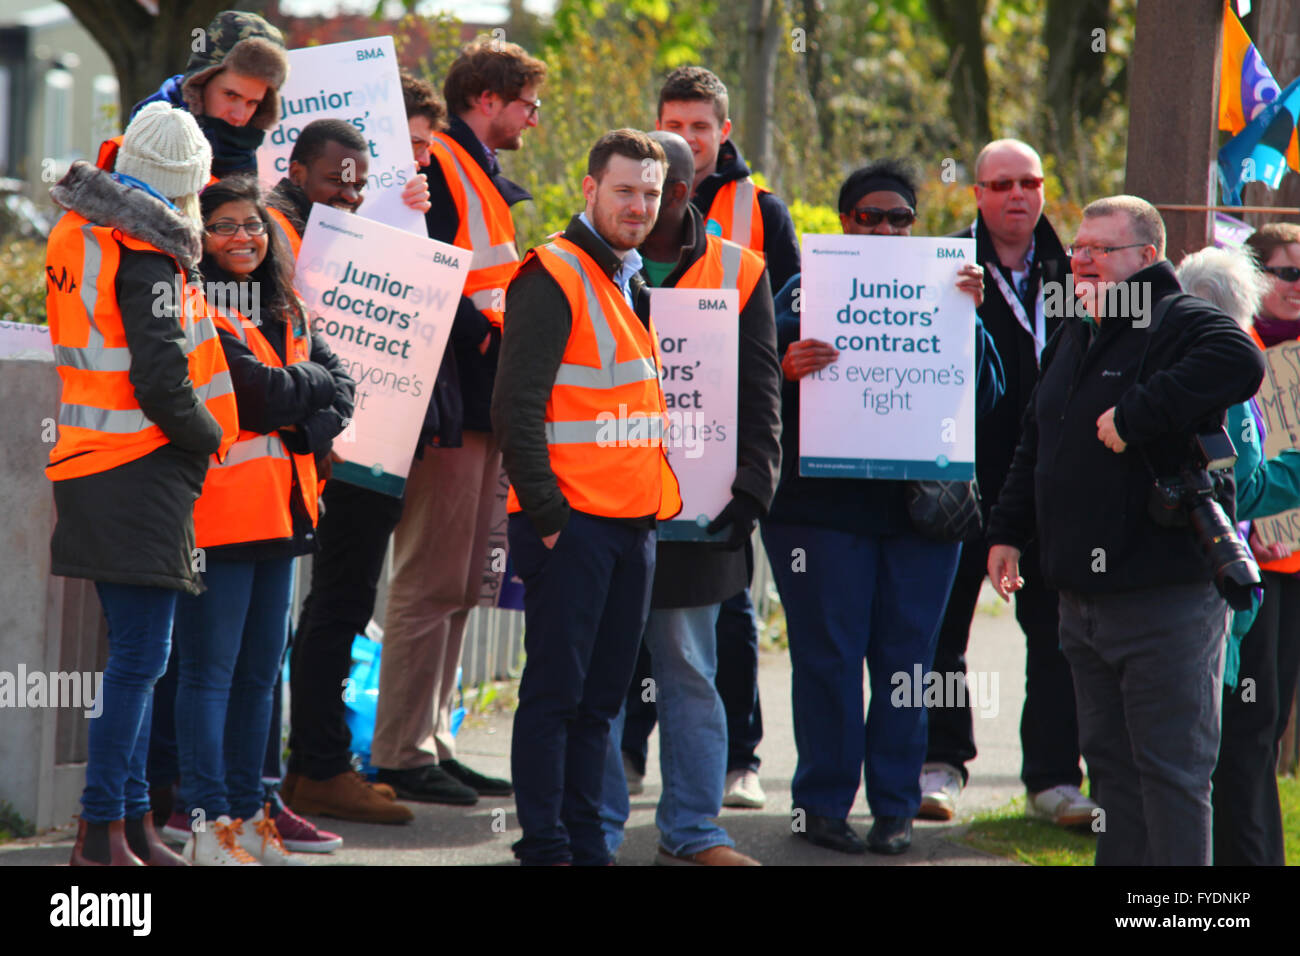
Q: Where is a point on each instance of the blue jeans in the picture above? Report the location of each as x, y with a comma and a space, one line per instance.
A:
692, 736
228, 644
585, 605
846, 597
139, 637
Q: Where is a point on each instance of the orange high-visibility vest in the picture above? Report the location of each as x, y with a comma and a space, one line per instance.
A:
606, 414
280, 222
485, 229
247, 497
107, 158
725, 265
101, 425
735, 209
1291, 563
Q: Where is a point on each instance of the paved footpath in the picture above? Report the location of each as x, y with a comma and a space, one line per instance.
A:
443, 835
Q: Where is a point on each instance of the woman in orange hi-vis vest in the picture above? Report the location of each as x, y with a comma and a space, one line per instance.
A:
146, 401
257, 513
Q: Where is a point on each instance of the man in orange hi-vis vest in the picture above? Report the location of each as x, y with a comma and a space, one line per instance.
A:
440, 546
146, 399
581, 416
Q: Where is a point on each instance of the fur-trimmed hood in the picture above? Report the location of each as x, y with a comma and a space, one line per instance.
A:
95, 194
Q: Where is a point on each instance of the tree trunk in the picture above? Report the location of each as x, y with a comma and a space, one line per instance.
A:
1174, 99
764, 36
1073, 85
961, 24
146, 49
812, 58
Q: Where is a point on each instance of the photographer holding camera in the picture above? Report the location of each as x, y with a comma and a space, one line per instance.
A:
1123, 475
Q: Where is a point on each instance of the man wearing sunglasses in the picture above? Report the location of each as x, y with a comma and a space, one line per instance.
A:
1021, 254
1119, 398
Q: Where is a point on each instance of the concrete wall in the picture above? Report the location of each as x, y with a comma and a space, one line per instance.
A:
46, 624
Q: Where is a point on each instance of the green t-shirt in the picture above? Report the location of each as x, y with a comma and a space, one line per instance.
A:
657, 272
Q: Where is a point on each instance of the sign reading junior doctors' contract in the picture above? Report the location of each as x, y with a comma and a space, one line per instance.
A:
899, 402
356, 82
384, 300
699, 347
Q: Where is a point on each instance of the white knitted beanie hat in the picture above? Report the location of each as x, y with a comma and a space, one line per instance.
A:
164, 147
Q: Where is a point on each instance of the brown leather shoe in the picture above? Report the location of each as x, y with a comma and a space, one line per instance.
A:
383, 789
290, 783
713, 856
345, 797
119, 854
156, 852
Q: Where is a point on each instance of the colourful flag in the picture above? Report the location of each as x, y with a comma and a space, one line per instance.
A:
1246, 86
1259, 152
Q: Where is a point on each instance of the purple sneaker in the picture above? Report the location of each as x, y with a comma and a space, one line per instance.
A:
299, 836
177, 828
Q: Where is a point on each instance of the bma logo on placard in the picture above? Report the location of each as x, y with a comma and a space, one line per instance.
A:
950, 254
376, 54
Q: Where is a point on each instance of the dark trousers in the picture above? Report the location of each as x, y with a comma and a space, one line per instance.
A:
1049, 727
736, 681
586, 602
1247, 815
1148, 678
352, 537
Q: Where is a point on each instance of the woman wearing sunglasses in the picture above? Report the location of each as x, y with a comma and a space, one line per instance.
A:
257, 513
1247, 815
871, 587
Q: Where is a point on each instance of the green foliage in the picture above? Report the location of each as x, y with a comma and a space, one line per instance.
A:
22, 282
12, 825
820, 220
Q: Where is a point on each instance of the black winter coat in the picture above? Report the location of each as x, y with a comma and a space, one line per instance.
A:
693, 574
1089, 505
134, 524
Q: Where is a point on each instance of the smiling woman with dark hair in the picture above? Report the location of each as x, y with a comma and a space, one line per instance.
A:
872, 587
257, 512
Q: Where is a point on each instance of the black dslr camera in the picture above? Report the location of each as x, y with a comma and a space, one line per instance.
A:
1188, 498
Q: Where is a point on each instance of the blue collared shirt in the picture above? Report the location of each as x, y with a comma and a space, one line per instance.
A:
630, 267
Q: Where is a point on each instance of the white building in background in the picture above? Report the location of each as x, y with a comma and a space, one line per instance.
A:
58, 93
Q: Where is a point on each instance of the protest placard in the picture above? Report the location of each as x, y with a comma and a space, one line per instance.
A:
384, 301
699, 348
1279, 400
356, 82
899, 402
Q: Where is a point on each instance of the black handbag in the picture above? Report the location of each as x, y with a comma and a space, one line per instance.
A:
944, 510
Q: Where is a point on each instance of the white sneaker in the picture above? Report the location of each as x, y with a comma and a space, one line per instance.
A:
635, 781
217, 844
1063, 805
742, 789
940, 787
261, 840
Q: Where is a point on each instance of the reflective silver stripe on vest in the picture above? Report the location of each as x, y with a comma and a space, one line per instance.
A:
219, 385
731, 255
116, 421
611, 431
94, 354
742, 210
251, 449
484, 253
485, 299
199, 330
610, 374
